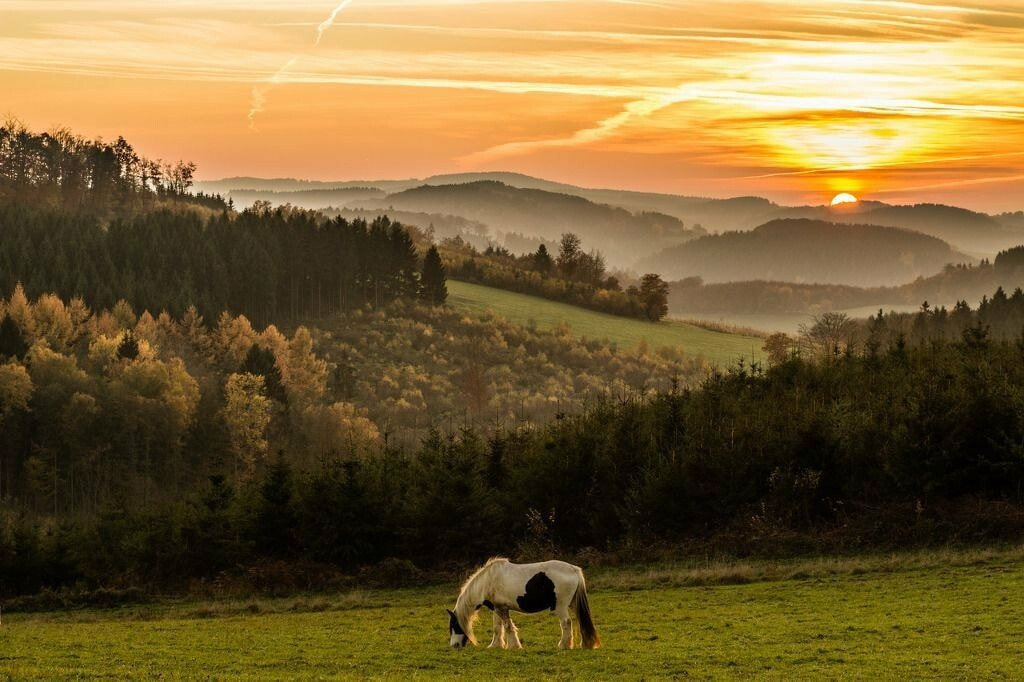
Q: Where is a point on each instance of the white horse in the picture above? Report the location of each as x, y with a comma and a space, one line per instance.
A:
503, 586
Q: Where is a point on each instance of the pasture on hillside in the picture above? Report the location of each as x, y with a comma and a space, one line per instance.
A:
720, 348
941, 615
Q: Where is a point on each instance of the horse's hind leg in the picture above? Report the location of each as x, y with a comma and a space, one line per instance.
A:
566, 622
511, 631
498, 639
567, 639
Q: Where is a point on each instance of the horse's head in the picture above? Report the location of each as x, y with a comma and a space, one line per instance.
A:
457, 637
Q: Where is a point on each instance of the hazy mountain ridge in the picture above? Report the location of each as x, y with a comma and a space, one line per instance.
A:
969, 231
962, 228
621, 235
806, 251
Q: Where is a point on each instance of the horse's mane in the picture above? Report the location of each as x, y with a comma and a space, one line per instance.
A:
464, 610
476, 574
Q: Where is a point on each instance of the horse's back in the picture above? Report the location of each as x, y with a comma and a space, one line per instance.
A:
539, 586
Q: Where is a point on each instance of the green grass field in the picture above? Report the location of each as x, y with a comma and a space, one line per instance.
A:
882, 618
719, 348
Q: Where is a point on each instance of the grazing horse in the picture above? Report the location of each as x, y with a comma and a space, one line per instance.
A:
503, 586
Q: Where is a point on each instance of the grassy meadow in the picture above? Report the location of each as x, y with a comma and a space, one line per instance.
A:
914, 616
720, 348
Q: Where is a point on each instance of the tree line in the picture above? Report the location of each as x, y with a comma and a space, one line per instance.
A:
1000, 316
61, 168
874, 447
270, 265
570, 276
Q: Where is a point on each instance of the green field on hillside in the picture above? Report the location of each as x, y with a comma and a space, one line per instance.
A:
959, 619
720, 348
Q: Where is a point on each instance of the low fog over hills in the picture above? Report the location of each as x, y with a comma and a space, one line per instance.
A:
802, 250
500, 208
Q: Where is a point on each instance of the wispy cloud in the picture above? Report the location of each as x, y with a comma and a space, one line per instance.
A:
795, 90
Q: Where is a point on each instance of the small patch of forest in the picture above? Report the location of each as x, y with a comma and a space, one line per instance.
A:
571, 276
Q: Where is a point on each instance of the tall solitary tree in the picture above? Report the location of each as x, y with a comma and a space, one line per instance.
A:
569, 253
654, 297
433, 280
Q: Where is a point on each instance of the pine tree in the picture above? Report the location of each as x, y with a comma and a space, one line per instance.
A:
263, 362
12, 341
542, 261
128, 349
434, 290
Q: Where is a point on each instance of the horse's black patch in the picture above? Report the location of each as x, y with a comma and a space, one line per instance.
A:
540, 594
487, 603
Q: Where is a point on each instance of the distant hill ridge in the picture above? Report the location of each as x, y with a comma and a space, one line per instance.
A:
804, 250
623, 236
969, 231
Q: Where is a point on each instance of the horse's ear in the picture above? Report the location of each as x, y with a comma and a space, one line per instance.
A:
450, 612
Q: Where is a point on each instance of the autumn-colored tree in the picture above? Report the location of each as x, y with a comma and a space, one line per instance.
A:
778, 347
306, 378
246, 414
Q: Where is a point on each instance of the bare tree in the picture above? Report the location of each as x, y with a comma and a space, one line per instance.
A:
829, 334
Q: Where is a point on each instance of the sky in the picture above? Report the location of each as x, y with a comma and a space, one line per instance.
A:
893, 100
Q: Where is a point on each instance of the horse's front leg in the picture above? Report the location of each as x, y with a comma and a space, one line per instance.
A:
498, 638
511, 631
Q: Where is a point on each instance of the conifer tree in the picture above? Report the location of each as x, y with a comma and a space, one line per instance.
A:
12, 341
433, 279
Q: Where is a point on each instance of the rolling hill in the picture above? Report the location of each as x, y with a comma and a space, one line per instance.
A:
801, 250
966, 230
621, 235
718, 347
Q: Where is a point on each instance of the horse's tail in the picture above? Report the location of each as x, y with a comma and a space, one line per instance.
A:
591, 640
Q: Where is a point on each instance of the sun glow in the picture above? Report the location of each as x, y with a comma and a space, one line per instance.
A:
791, 100
844, 198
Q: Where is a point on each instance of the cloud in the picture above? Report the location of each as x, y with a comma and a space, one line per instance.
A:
783, 86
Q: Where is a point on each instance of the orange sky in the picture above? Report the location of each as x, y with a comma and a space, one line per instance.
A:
795, 100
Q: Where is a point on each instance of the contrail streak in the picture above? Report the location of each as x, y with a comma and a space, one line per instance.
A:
329, 21
259, 93
258, 101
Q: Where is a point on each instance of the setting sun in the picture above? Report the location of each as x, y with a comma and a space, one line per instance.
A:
844, 198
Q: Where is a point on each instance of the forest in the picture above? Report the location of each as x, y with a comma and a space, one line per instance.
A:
892, 442
271, 396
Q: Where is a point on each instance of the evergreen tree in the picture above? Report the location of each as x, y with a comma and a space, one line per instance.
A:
263, 362
433, 278
128, 349
275, 516
12, 341
542, 261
